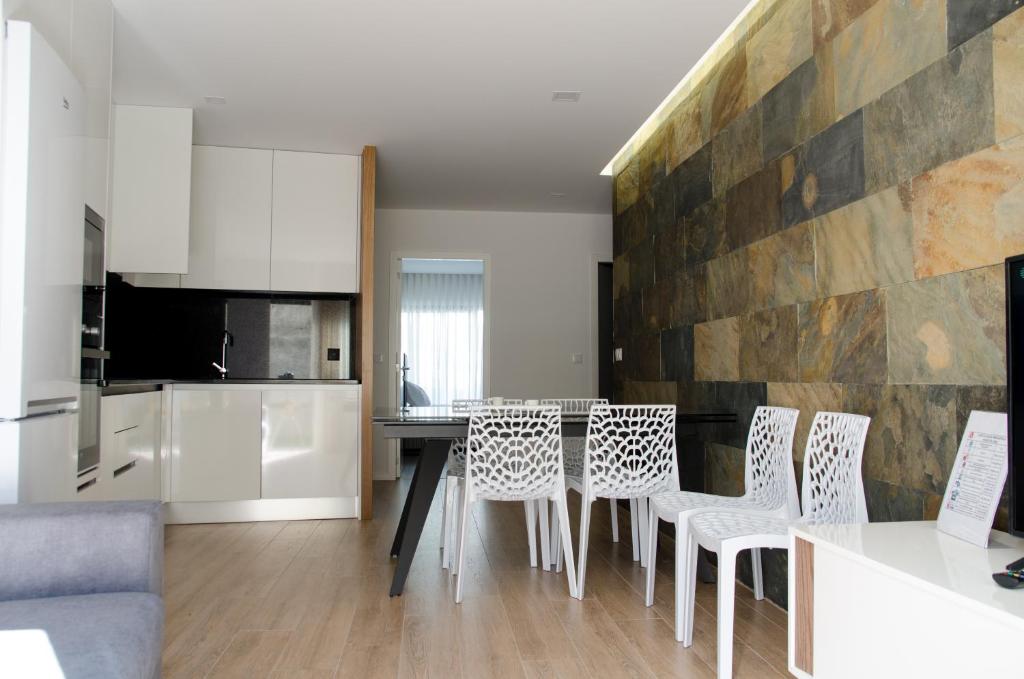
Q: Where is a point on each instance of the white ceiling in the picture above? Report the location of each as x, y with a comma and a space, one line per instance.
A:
455, 94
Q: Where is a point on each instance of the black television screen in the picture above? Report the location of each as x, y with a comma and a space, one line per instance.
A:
1015, 387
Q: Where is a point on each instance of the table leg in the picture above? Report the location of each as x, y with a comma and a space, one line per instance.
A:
417, 506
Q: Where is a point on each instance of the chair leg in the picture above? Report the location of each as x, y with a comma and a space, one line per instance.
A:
447, 513
461, 549
635, 528
562, 511
531, 530
615, 519
584, 539
556, 541
692, 550
652, 555
758, 574
456, 527
545, 537
681, 565
641, 517
726, 606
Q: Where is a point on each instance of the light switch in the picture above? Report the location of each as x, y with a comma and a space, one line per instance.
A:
576, 358
617, 357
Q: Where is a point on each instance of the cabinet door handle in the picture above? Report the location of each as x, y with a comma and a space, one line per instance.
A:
87, 484
121, 431
124, 468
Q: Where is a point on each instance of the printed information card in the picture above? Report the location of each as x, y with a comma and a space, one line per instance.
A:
976, 482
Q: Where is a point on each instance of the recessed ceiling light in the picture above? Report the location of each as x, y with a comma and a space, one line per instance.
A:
556, 194
566, 96
215, 100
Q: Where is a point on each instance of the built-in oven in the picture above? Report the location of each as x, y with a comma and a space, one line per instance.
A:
93, 354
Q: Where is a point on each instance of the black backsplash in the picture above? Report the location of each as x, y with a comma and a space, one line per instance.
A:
171, 333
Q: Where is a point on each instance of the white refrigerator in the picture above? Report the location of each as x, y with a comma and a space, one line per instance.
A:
42, 198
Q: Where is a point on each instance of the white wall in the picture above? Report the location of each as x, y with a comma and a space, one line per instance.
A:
81, 32
541, 273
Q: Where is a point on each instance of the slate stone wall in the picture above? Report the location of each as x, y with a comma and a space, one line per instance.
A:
821, 224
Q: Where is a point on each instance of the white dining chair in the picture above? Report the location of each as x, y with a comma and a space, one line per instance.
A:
630, 454
456, 470
769, 482
514, 453
833, 492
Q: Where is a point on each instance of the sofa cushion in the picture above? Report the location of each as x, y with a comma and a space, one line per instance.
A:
112, 636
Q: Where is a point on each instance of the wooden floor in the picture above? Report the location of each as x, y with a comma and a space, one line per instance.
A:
309, 599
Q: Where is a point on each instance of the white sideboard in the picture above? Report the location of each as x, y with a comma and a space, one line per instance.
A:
901, 600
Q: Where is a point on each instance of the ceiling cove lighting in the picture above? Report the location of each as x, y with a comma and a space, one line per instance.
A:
754, 10
566, 96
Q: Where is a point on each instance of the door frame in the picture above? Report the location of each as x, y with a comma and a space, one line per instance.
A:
395, 312
593, 260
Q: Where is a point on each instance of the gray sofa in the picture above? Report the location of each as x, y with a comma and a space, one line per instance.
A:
90, 576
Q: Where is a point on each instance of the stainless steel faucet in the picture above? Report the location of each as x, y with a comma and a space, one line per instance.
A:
227, 341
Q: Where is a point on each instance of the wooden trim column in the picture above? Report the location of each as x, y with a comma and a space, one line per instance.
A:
363, 342
804, 643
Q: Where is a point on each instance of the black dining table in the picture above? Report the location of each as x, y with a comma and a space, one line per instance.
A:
437, 426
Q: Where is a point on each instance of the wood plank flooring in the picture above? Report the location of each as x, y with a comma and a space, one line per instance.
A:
309, 600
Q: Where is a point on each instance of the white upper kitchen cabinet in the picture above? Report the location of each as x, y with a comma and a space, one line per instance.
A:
152, 180
315, 244
229, 242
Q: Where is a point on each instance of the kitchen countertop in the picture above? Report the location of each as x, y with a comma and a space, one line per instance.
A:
121, 387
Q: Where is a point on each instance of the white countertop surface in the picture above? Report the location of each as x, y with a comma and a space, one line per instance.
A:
918, 553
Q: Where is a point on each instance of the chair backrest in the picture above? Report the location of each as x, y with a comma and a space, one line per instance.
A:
833, 488
574, 406
514, 452
631, 451
769, 476
462, 405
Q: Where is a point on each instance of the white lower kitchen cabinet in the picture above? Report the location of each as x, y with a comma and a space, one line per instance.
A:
130, 446
215, 444
309, 437
263, 452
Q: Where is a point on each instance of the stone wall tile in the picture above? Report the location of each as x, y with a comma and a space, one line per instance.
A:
651, 161
943, 112
842, 339
864, 245
669, 250
768, 345
784, 42
965, 19
884, 46
752, 207
725, 468
692, 181
633, 224
911, 441
742, 398
800, 106
984, 397
620, 276
1008, 76
782, 268
677, 354
659, 205
889, 502
684, 132
729, 284
641, 265
723, 95
830, 17
949, 329
705, 233
808, 398
716, 347
627, 183
825, 173
652, 392
737, 150
968, 212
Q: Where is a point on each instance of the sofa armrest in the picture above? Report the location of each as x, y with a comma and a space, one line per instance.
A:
80, 548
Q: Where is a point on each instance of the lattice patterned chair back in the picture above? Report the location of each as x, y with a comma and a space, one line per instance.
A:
770, 479
833, 488
574, 406
514, 452
631, 451
457, 450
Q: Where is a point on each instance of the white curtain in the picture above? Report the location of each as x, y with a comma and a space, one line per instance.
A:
442, 334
